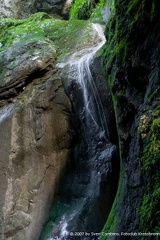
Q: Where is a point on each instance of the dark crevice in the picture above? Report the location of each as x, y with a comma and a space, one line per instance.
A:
35, 75
15, 90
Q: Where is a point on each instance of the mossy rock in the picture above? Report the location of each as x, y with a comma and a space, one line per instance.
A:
131, 59
149, 130
66, 36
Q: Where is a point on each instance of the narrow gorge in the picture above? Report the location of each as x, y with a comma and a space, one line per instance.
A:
79, 120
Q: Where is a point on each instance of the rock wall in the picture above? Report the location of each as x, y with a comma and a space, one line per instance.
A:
132, 68
35, 139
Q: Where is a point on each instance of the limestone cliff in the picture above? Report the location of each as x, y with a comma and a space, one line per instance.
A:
34, 148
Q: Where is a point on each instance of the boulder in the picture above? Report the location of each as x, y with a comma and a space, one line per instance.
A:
23, 9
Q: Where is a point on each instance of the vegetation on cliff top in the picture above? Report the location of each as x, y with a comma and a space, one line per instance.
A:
82, 9
129, 32
65, 36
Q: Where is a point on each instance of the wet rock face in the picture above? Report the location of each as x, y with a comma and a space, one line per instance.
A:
135, 87
94, 166
21, 64
22, 9
35, 139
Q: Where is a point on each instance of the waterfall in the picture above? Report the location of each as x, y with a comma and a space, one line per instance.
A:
78, 203
92, 103
78, 69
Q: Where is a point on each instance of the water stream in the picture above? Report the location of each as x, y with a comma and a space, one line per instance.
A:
78, 208
92, 102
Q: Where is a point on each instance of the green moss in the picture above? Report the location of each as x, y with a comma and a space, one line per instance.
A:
132, 34
115, 49
111, 32
82, 9
149, 130
43, 29
61, 34
127, 34
112, 218
11, 30
121, 50
153, 95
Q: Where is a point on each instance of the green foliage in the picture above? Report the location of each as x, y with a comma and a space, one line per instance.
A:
128, 38
83, 9
109, 52
115, 51
149, 130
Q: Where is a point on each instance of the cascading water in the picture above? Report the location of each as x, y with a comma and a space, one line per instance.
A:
92, 103
79, 205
